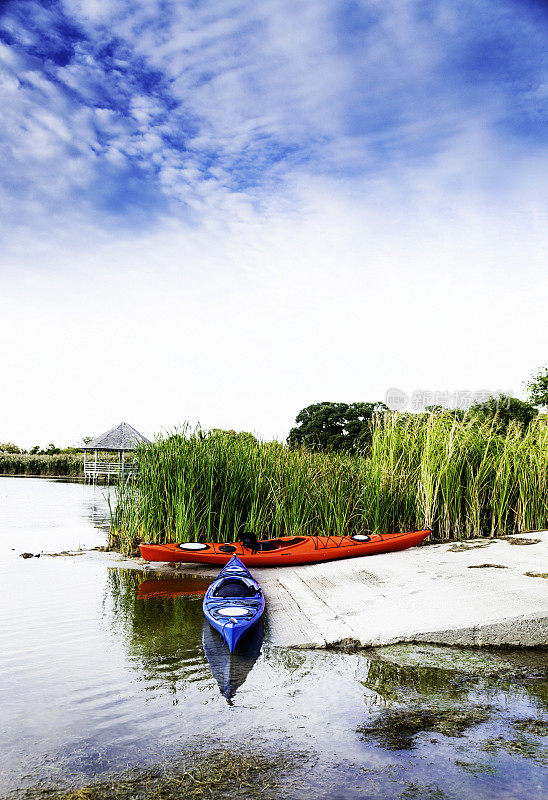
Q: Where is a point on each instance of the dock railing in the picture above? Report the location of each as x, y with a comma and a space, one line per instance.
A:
108, 470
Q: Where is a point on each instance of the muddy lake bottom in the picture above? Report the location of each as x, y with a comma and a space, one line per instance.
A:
114, 687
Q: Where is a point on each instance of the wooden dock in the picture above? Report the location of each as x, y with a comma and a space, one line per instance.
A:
94, 471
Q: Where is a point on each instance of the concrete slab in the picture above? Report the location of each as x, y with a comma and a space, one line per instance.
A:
478, 593
438, 593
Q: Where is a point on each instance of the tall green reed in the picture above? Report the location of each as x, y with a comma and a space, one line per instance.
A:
461, 478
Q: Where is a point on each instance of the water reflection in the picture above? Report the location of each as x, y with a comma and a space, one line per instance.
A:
97, 680
102, 670
162, 635
168, 587
231, 669
405, 674
98, 506
40, 516
439, 690
398, 683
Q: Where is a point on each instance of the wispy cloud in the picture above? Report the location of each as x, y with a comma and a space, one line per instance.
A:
131, 113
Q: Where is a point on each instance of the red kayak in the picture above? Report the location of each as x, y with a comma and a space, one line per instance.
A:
285, 551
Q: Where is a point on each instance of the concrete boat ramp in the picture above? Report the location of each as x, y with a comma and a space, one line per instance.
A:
485, 592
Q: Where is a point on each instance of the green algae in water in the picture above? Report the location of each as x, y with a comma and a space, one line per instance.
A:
476, 768
397, 684
520, 746
397, 729
421, 791
446, 659
459, 660
438, 677
536, 727
526, 743
219, 773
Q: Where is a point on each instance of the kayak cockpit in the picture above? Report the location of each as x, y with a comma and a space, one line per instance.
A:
235, 587
278, 544
250, 542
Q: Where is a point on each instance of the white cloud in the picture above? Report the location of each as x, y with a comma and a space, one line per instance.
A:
321, 219
242, 323
247, 95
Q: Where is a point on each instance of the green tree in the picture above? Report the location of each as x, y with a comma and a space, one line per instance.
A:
237, 436
34, 450
458, 413
503, 409
435, 409
334, 426
9, 447
538, 388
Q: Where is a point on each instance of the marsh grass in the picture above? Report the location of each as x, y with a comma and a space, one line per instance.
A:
461, 478
62, 465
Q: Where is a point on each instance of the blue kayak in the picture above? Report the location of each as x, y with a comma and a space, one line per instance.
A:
233, 603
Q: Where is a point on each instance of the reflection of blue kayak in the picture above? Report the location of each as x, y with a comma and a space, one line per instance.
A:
233, 603
231, 669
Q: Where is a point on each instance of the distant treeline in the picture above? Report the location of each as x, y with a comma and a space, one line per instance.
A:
347, 427
50, 460
50, 450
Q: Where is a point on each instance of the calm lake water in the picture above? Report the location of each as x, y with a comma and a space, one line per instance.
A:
105, 669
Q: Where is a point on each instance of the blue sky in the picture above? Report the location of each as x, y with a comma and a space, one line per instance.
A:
225, 154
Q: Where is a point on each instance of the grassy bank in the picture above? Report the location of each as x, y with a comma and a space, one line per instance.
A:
64, 464
460, 478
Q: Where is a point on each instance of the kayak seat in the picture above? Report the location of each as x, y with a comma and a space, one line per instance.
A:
231, 587
276, 544
250, 542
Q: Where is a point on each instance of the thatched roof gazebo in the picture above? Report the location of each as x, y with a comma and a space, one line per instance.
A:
121, 439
